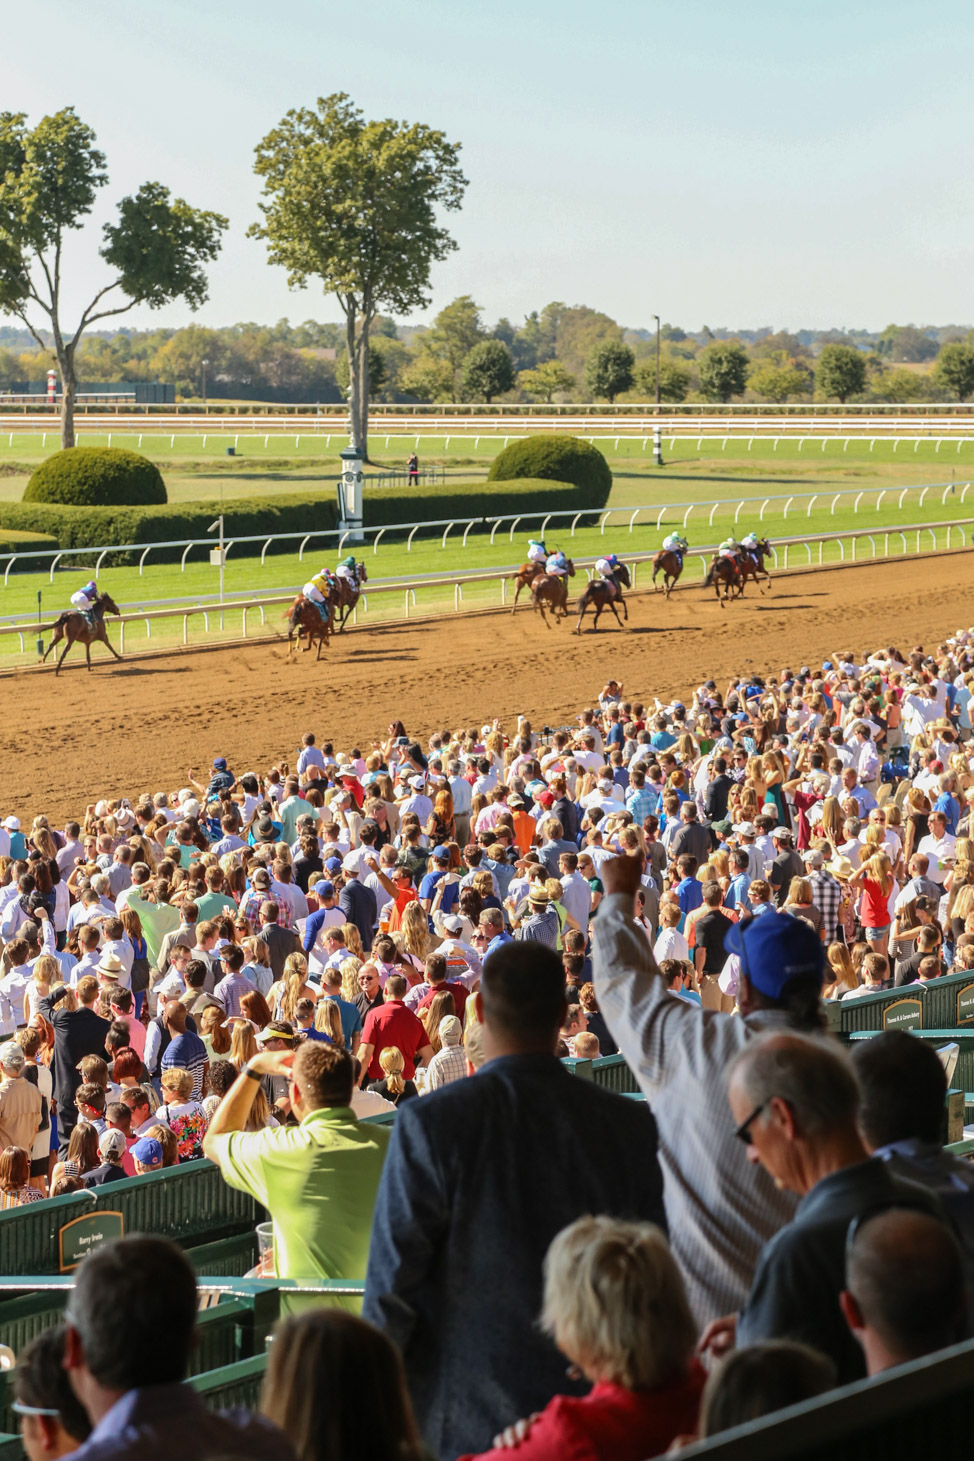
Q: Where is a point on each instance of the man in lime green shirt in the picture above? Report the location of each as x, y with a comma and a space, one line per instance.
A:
157, 917
318, 1180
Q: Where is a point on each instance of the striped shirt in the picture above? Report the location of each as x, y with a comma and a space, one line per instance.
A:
187, 1052
720, 1208
826, 896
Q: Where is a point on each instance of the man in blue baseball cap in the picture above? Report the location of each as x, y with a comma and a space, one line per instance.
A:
721, 1208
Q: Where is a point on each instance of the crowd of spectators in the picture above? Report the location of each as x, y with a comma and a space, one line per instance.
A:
247, 967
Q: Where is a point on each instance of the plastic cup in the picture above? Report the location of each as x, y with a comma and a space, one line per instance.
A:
265, 1239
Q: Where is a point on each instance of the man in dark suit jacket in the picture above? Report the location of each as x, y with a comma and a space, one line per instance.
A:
478, 1179
279, 941
718, 792
77, 1033
691, 837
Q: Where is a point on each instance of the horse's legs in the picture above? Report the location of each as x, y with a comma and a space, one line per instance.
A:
616, 612
321, 638
56, 638
625, 611
582, 606
517, 592
103, 636
67, 646
88, 652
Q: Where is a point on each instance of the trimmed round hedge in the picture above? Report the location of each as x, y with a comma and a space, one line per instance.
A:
89, 476
557, 458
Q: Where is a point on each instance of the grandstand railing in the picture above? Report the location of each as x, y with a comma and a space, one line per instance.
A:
781, 551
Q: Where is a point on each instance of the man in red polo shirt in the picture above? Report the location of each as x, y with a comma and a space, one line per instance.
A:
436, 972
391, 1023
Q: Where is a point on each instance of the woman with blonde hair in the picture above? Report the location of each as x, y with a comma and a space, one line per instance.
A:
349, 970
415, 936
393, 1086
214, 1032
243, 1043
328, 1021
353, 940
293, 985
875, 879
183, 1114
47, 972
167, 1140
831, 825
844, 976
439, 1007
615, 1305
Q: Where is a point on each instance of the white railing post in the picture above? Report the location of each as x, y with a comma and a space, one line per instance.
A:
57, 559
375, 545
446, 532
510, 536
409, 540
815, 497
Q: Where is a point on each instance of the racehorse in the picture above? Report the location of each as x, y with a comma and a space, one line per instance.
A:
596, 595
722, 571
303, 618
552, 589
525, 577
344, 595
670, 564
755, 569
77, 628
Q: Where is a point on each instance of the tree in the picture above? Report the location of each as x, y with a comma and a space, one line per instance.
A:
427, 379
779, 376
723, 368
547, 380
906, 343
674, 379
840, 372
954, 370
453, 334
488, 371
903, 385
49, 177
572, 334
609, 369
354, 203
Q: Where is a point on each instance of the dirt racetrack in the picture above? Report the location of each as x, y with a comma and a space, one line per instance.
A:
136, 727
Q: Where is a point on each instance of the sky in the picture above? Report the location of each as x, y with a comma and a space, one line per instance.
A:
778, 164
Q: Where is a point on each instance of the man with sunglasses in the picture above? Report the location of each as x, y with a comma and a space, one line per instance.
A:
796, 1104
721, 1210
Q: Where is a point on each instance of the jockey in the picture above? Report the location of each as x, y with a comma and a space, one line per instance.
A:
537, 552
346, 570
84, 599
730, 549
317, 590
750, 545
674, 543
604, 567
556, 564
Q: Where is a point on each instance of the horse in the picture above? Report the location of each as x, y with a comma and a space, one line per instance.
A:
303, 618
670, 564
722, 571
344, 596
77, 628
596, 595
755, 569
524, 578
552, 589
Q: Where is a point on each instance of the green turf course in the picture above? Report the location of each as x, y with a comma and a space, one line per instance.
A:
704, 475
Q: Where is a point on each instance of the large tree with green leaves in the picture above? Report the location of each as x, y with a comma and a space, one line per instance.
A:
954, 370
156, 247
355, 204
723, 368
488, 371
609, 370
547, 380
841, 371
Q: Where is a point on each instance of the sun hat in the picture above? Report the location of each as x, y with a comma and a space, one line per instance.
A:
775, 949
538, 895
264, 830
111, 965
148, 1152
12, 1056
841, 868
112, 1143
275, 1030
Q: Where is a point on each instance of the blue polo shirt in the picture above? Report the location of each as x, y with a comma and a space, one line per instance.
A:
689, 894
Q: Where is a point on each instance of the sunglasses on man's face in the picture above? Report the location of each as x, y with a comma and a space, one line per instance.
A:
743, 1132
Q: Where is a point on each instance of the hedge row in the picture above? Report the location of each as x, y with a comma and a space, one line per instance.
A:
90, 527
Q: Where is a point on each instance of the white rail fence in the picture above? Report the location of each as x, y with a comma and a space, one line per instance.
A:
53, 558
925, 536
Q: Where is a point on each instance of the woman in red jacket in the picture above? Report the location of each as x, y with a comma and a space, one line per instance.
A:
615, 1305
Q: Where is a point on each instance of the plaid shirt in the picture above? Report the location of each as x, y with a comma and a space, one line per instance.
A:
250, 908
641, 804
826, 896
448, 1064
